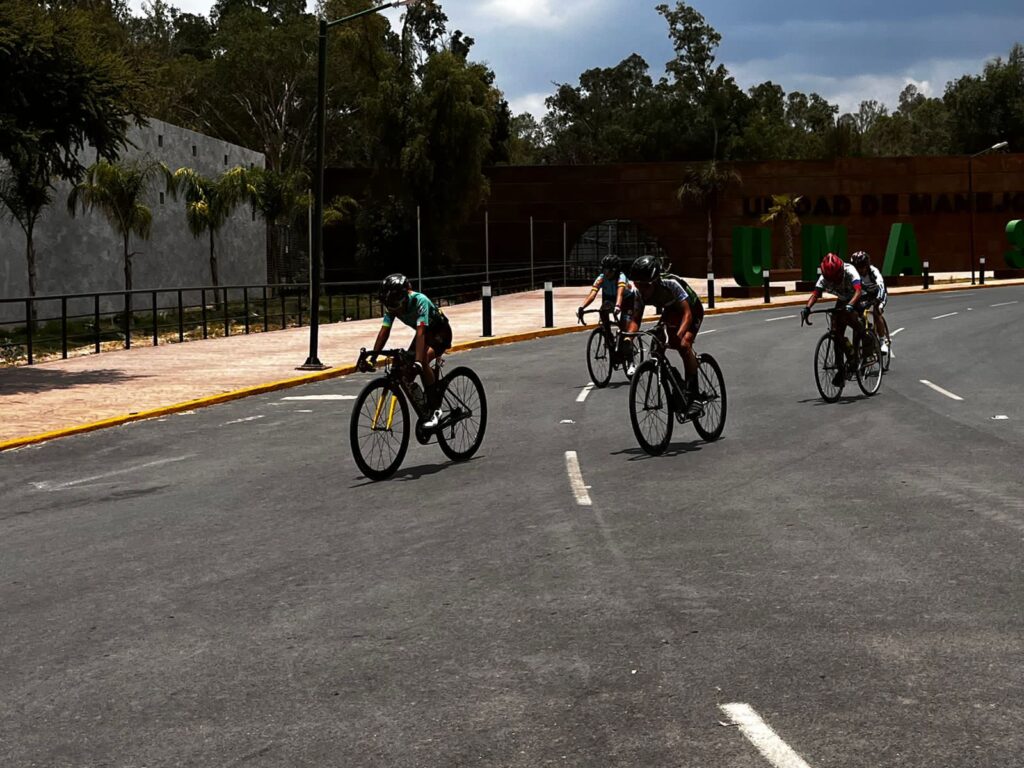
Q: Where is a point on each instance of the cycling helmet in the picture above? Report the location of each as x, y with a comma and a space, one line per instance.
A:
393, 291
860, 259
832, 268
611, 264
646, 269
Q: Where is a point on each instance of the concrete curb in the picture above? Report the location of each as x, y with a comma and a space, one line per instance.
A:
491, 341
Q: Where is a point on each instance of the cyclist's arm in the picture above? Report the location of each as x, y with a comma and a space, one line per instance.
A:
421, 345
815, 295
590, 298
618, 295
856, 295
382, 339
684, 326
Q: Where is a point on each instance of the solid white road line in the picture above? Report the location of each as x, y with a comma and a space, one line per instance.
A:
759, 733
1004, 304
948, 314
48, 485
895, 332
787, 317
320, 397
941, 391
586, 391
579, 490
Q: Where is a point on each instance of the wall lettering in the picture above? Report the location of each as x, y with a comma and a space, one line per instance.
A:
816, 241
751, 254
1015, 234
901, 256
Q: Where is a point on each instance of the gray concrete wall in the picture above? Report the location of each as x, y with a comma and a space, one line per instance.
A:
83, 254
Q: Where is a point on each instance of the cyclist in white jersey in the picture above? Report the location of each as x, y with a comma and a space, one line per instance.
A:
874, 291
843, 281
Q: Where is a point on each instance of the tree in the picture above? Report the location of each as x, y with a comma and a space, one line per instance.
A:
703, 184
209, 204
279, 199
25, 190
116, 191
61, 90
988, 108
783, 215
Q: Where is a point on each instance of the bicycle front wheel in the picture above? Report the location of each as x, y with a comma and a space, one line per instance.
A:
711, 391
650, 408
379, 430
826, 369
599, 358
869, 371
639, 350
465, 414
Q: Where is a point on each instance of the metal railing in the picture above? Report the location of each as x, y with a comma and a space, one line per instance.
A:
87, 323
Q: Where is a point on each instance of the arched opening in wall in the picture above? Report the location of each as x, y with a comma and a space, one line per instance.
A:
619, 237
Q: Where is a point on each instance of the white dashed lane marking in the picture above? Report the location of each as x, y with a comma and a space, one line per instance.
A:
759, 733
242, 421
586, 391
898, 330
948, 314
786, 317
320, 397
579, 490
1003, 304
941, 391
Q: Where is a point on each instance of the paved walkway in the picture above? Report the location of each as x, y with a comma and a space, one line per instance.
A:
63, 395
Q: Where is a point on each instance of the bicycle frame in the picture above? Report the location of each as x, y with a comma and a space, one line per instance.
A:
659, 346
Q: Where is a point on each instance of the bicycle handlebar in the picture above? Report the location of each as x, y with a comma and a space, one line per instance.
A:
579, 315
398, 355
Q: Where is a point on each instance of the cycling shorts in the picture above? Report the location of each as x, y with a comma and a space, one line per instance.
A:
439, 336
673, 318
632, 309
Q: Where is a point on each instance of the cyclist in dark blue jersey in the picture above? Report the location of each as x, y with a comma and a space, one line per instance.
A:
682, 312
433, 334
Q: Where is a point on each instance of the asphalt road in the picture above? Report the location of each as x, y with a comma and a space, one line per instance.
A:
222, 588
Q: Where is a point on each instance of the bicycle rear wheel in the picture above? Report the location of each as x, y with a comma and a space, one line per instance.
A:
869, 370
650, 408
379, 429
711, 391
825, 369
599, 358
465, 414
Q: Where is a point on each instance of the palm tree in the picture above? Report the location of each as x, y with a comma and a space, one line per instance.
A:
116, 191
704, 184
209, 203
783, 215
25, 189
279, 198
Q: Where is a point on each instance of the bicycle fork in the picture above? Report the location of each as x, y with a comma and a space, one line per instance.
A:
380, 408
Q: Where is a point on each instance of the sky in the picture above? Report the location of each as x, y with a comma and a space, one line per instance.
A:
845, 50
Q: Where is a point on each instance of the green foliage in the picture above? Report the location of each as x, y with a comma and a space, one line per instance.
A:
209, 203
704, 184
61, 89
783, 216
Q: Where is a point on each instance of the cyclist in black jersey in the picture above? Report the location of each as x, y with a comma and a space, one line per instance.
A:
681, 311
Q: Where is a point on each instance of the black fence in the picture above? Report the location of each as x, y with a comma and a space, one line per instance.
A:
88, 323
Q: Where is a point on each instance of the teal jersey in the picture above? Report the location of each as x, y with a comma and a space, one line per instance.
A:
419, 310
610, 288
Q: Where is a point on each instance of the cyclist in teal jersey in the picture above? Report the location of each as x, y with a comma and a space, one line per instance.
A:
433, 334
681, 311
620, 302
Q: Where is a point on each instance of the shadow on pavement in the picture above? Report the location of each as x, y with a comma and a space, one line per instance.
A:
674, 449
27, 380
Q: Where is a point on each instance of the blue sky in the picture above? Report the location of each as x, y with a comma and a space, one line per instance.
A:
846, 51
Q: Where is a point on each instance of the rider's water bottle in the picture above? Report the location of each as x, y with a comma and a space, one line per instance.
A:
419, 401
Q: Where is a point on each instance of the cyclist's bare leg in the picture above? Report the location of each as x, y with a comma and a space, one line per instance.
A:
881, 325
839, 333
689, 359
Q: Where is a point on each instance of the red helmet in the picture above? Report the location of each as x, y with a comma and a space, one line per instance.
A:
832, 268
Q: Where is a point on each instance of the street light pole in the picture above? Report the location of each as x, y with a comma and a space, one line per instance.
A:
970, 194
316, 258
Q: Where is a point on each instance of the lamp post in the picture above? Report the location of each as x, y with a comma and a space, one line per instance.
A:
970, 192
313, 361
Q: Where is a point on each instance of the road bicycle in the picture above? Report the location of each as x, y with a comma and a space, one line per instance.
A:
606, 349
886, 351
657, 396
863, 360
380, 427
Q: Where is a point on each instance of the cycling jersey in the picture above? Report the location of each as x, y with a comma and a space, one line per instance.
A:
874, 283
610, 288
419, 310
671, 290
843, 290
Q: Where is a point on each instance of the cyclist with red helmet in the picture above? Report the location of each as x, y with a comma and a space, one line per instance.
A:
433, 334
843, 281
682, 312
874, 290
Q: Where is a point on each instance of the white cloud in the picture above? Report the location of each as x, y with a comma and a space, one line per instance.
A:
529, 102
544, 14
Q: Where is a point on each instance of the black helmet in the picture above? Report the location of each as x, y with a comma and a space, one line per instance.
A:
860, 259
611, 264
393, 291
646, 268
